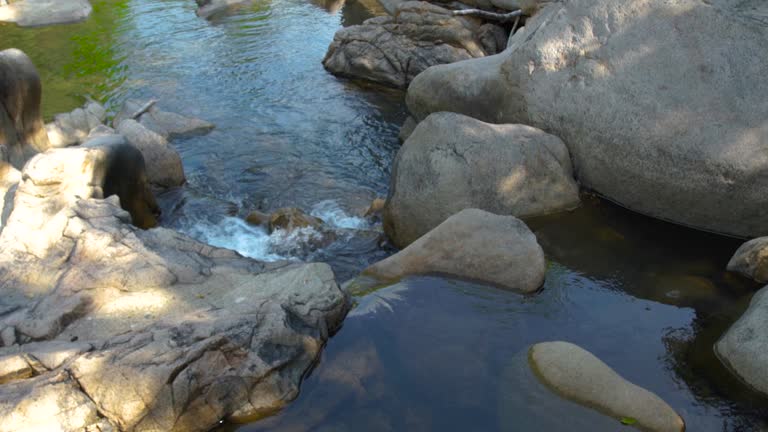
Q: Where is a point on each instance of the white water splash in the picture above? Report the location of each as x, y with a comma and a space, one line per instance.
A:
330, 212
235, 234
254, 241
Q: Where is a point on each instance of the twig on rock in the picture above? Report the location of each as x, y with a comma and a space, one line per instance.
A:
146, 107
514, 26
490, 16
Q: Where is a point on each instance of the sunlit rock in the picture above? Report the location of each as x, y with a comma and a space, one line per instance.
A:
22, 132
576, 374
35, 13
669, 122
164, 167
751, 260
473, 244
744, 347
452, 162
74, 128
393, 50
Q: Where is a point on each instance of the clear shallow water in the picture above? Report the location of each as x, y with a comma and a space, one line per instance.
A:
649, 298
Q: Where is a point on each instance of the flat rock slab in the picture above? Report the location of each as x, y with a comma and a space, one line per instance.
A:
744, 347
36, 13
473, 244
577, 375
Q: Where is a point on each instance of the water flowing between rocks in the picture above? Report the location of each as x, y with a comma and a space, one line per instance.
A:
648, 298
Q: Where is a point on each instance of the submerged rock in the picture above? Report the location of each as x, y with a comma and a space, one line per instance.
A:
291, 219
393, 50
576, 374
473, 244
206, 8
452, 162
22, 131
663, 110
744, 347
751, 260
35, 13
167, 124
164, 167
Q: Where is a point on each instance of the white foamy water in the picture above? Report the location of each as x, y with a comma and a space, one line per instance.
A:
255, 242
334, 216
235, 234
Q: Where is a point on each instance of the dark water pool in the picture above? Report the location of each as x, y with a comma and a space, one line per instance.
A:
648, 298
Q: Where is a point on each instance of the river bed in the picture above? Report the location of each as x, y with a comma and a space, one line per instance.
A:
429, 353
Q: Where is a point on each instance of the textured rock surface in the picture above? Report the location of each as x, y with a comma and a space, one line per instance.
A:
166, 124
74, 128
473, 244
291, 219
171, 334
164, 168
662, 104
33, 13
452, 162
576, 374
744, 347
22, 132
393, 50
751, 260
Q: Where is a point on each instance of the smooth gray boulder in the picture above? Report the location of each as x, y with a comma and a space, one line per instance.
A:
451, 162
167, 124
35, 13
164, 167
744, 347
751, 260
663, 110
577, 375
472, 244
22, 131
171, 334
393, 50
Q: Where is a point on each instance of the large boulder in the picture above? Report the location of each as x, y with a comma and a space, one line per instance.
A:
578, 375
34, 13
473, 244
52, 180
22, 130
164, 167
744, 347
171, 334
451, 162
393, 50
662, 103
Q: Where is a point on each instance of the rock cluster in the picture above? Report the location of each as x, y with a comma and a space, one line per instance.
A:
106, 326
393, 50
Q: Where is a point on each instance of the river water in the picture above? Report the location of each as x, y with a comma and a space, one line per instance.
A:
429, 353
